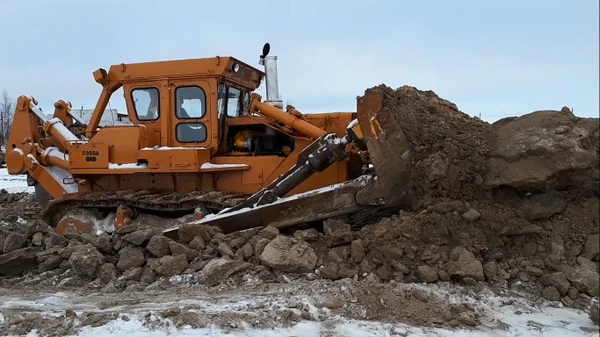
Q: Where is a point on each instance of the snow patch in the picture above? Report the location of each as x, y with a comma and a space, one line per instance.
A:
168, 148
14, 183
129, 166
221, 166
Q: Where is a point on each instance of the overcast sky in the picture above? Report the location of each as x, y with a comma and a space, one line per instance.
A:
496, 58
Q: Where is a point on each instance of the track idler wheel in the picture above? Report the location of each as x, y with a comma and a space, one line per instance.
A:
79, 220
124, 217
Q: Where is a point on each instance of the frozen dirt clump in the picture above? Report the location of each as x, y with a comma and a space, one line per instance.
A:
449, 149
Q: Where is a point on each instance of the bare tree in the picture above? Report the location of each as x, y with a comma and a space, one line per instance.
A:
6, 117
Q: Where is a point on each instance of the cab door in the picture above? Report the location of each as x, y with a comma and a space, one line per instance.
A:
191, 113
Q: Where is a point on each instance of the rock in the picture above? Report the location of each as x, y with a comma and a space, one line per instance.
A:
399, 267
575, 249
133, 274
37, 239
336, 232
490, 270
52, 240
530, 249
85, 260
544, 150
595, 312
36, 226
188, 231
542, 206
592, 247
247, 250
179, 249
148, 276
587, 264
464, 264
14, 241
585, 280
467, 318
18, 261
172, 265
385, 272
101, 241
197, 243
357, 250
130, 257
159, 246
308, 235
391, 253
534, 271
260, 245
557, 280
551, 294
225, 250
127, 229
289, 255
107, 273
269, 232
50, 263
246, 236
420, 296
427, 274
218, 270
330, 271
332, 303
140, 237
471, 215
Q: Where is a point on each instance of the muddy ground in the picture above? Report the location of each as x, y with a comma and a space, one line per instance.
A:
510, 207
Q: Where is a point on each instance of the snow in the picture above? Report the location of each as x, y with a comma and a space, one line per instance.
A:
114, 166
221, 166
352, 124
168, 148
502, 316
60, 175
14, 183
53, 151
63, 131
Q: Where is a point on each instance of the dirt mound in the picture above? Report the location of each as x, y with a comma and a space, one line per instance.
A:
16, 208
449, 148
511, 205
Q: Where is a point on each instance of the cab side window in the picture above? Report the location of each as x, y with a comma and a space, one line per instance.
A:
146, 102
234, 102
190, 102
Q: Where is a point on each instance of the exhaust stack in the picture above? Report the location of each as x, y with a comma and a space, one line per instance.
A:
271, 78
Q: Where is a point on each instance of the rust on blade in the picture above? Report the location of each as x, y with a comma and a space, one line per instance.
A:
389, 150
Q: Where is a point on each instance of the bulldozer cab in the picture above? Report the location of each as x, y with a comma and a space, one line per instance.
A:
190, 109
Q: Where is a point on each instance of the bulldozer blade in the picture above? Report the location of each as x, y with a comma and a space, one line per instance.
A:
330, 201
388, 148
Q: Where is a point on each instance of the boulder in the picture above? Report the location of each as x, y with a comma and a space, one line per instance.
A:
289, 254
218, 270
85, 260
19, 261
464, 264
544, 150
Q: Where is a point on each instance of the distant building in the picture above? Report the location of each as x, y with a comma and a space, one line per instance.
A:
110, 116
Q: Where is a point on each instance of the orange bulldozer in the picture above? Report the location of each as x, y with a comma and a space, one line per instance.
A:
204, 147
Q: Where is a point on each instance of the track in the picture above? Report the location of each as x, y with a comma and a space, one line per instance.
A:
161, 203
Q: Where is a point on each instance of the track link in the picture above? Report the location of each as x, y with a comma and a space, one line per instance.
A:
144, 201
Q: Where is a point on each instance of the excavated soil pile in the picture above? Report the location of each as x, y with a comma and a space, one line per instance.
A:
14, 207
449, 148
512, 205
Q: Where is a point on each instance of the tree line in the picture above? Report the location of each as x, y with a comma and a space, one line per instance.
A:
7, 110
